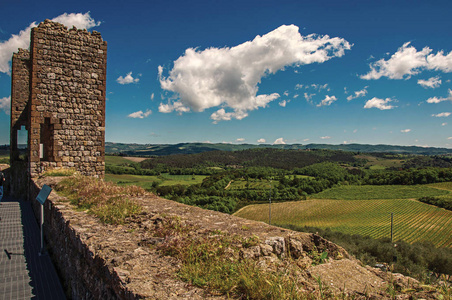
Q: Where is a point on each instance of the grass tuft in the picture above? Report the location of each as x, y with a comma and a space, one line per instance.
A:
212, 262
59, 172
105, 200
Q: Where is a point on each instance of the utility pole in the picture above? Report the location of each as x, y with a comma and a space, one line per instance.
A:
270, 205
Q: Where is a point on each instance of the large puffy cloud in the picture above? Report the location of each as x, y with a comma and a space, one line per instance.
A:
441, 99
407, 61
22, 39
229, 77
5, 104
382, 104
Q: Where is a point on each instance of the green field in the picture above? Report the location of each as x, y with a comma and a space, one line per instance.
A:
370, 192
413, 220
378, 163
146, 181
117, 160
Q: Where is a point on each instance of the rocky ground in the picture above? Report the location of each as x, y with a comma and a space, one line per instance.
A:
131, 252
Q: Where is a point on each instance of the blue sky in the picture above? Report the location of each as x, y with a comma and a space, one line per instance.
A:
374, 72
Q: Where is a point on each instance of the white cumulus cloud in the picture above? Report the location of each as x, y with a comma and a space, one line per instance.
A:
358, 94
240, 140
441, 99
283, 103
222, 115
325, 137
405, 130
407, 61
128, 79
5, 104
261, 141
140, 114
279, 141
327, 101
444, 124
170, 107
229, 77
79, 20
382, 104
432, 82
308, 97
442, 115
22, 39
319, 87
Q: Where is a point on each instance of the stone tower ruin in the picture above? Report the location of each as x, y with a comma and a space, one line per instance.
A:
58, 96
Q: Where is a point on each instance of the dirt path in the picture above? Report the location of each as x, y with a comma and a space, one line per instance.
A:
229, 184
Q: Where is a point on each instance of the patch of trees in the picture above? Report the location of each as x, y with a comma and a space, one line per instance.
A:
428, 161
332, 172
444, 203
418, 260
112, 169
409, 177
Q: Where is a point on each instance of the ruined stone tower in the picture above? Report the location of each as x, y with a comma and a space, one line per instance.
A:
58, 96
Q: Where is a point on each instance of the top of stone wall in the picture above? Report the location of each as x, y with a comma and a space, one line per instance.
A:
22, 54
57, 28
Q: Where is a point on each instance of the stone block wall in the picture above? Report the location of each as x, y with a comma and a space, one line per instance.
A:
58, 93
20, 95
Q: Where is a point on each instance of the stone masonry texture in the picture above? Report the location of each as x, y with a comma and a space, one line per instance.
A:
58, 94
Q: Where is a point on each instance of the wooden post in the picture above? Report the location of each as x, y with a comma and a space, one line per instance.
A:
392, 227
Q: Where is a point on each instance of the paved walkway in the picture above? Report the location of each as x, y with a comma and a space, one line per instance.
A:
24, 274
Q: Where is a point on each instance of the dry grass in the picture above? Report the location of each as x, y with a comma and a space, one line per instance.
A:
109, 202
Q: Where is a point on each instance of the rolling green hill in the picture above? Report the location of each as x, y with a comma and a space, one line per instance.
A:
190, 148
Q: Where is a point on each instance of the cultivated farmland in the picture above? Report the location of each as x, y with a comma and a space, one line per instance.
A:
359, 212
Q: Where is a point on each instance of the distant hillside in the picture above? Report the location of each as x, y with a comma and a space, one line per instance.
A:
192, 148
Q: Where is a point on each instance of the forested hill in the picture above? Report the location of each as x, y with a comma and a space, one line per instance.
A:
192, 148
265, 157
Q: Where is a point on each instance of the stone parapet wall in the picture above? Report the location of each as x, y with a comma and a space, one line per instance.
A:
84, 275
